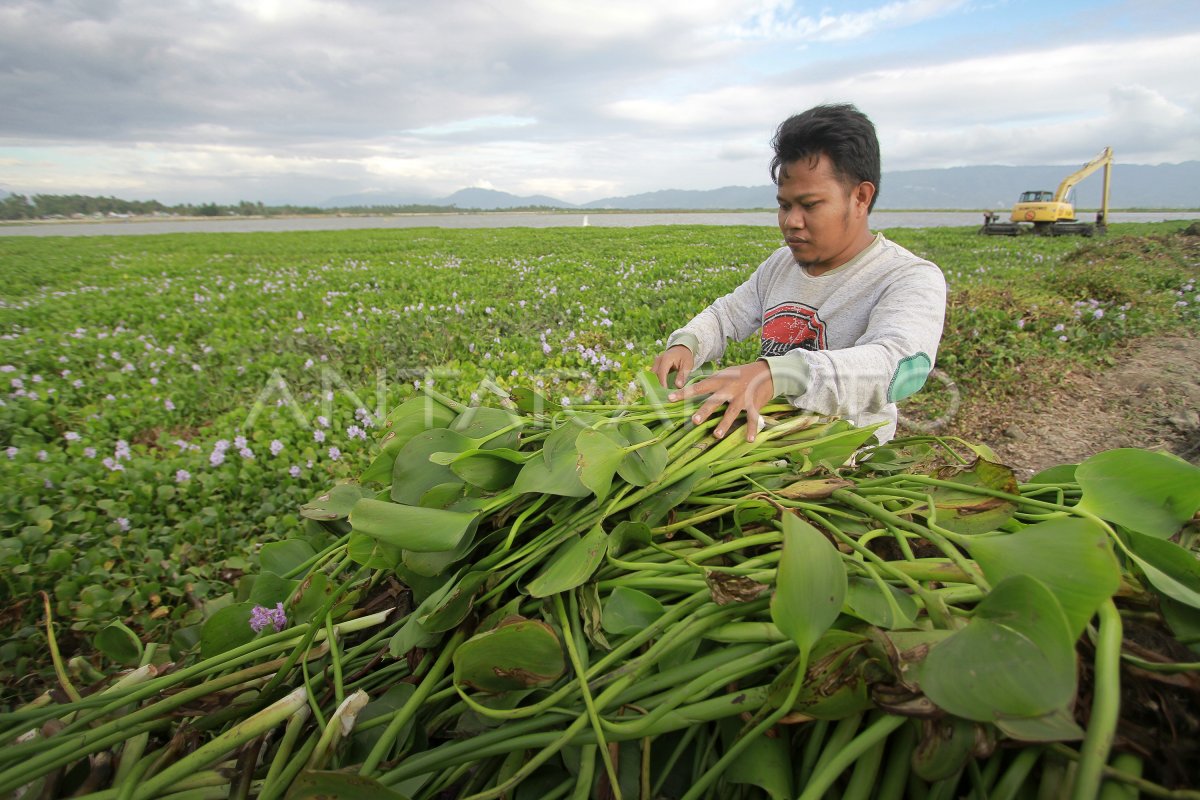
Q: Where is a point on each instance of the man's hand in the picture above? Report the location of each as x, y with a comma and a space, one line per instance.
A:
747, 387
678, 359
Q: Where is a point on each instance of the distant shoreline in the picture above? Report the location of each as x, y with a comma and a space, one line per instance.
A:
159, 218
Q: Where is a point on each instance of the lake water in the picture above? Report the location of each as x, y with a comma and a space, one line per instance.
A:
879, 220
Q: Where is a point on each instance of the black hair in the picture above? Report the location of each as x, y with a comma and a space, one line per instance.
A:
843, 133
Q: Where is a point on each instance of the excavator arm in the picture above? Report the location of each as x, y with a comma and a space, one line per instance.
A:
1064, 188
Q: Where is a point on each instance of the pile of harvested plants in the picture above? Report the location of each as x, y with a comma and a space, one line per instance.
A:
609, 602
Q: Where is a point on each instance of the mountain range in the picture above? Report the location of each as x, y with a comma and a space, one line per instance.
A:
1158, 186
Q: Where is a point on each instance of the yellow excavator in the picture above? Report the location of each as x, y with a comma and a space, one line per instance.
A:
1053, 214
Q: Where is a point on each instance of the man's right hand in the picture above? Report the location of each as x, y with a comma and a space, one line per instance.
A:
677, 359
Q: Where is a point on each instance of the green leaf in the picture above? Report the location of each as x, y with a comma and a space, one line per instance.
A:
571, 565
1015, 659
413, 416
310, 596
1064, 473
645, 465
562, 439
454, 608
372, 553
334, 504
629, 611
481, 422
655, 508
967, 512
226, 629
414, 474
1150, 492
488, 472
119, 643
323, 785
1171, 570
285, 556
598, 458
1057, 726
528, 401
1072, 557
270, 589
836, 680
865, 600
557, 477
413, 528
765, 763
836, 449
629, 536
519, 654
655, 392
810, 586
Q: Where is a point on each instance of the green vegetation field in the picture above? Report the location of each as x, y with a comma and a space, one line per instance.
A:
169, 401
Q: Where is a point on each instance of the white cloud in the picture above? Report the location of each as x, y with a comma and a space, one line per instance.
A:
781, 19
576, 100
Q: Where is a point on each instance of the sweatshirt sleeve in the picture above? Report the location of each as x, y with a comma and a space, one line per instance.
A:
887, 363
735, 316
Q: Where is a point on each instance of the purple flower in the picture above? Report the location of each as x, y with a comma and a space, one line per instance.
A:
182, 476
276, 447
261, 617
89, 452
319, 435
246, 453
71, 436
239, 442
294, 471
11, 452
335, 453
123, 523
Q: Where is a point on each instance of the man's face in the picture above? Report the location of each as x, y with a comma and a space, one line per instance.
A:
823, 221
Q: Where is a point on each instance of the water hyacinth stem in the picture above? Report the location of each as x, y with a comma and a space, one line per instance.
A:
225, 743
826, 773
410, 708
1106, 705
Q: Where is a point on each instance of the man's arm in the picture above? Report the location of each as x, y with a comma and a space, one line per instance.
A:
733, 316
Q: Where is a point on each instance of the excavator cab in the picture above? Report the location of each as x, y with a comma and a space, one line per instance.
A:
1036, 197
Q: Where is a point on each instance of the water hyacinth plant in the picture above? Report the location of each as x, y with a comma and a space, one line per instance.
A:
605, 601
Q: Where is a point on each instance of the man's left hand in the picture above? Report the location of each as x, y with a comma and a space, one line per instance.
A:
746, 387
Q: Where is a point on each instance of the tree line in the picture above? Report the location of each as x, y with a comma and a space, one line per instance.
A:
65, 206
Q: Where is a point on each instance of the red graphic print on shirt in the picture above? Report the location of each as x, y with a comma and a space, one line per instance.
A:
791, 325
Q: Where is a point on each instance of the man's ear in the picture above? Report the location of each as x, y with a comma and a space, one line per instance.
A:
862, 195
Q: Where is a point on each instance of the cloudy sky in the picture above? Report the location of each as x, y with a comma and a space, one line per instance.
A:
301, 100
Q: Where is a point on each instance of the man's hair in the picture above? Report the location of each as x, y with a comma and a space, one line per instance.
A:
843, 133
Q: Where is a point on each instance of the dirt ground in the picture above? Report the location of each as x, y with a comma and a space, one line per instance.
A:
1150, 399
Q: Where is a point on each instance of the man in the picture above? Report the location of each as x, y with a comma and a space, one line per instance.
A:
850, 321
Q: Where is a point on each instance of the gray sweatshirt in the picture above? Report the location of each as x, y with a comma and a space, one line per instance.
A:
851, 342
